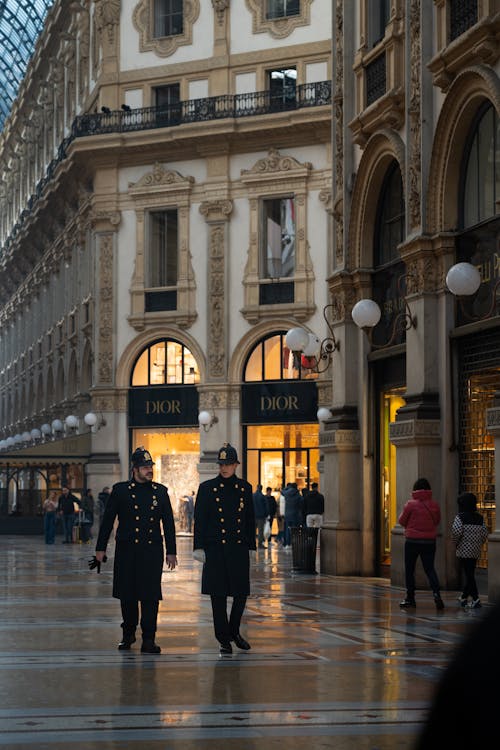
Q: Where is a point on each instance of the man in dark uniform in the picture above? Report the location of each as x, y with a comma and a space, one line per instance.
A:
140, 504
224, 533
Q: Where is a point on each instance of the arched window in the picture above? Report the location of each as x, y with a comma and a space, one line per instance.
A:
390, 229
271, 359
165, 362
481, 184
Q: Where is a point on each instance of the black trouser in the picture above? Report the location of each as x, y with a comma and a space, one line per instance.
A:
469, 567
226, 629
426, 550
149, 615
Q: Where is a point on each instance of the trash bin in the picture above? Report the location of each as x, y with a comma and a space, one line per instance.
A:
304, 541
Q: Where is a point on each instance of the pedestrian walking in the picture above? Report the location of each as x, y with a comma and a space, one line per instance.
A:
224, 534
420, 517
469, 533
49, 519
67, 505
260, 511
143, 508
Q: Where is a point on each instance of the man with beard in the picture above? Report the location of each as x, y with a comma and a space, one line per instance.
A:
140, 505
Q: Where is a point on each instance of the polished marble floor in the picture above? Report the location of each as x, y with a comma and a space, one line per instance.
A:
334, 662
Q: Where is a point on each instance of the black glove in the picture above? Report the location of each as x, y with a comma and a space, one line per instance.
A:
94, 563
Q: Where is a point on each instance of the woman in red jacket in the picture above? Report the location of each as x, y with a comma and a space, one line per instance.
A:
420, 517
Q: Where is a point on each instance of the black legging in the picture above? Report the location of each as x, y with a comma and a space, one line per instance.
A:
426, 550
469, 567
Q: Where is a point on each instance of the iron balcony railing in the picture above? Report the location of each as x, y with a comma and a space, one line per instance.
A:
202, 110
192, 110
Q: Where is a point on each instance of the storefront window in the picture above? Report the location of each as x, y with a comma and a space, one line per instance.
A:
271, 359
278, 454
165, 362
176, 453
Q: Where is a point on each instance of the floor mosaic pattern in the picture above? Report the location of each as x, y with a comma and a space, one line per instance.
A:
334, 662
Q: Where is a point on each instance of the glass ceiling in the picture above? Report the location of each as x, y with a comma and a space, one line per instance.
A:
21, 21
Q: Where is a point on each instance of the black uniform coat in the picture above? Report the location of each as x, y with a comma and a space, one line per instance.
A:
139, 542
224, 526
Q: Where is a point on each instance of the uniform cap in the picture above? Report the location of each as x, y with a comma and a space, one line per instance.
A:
142, 457
227, 455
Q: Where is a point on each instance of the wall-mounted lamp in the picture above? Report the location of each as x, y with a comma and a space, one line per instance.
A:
46, 430
207, 420
323, 414
35, 434
311, 350
93, 421
464, 280
71, 423
57, 426
366, 314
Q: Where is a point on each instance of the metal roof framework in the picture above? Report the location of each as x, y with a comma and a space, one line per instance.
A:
21, 22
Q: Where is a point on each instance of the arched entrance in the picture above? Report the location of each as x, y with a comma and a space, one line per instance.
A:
163, 415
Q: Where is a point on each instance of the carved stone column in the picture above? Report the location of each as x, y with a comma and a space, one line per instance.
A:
342, 548
216, 398
217, 214
493, 427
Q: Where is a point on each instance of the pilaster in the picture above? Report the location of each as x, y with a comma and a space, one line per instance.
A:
339, 442
493, 427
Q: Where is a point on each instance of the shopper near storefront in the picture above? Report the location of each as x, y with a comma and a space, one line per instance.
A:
260, 511
294, 510
143, 509
224, 535
469, 533
67, 505
272, 507
49, 518
314, 507
420, 518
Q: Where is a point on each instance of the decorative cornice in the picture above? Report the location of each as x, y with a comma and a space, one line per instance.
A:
160, 178
216, 210
415, 431
273, 164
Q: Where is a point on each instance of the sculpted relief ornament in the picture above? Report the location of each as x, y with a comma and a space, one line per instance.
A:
220, 7
107, 17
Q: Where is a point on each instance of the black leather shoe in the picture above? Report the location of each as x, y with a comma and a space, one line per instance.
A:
126, 642
150, 647
408, 603
438, 601
225, 648
241, 643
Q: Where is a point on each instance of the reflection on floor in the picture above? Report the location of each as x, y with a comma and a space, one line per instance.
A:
334, 662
